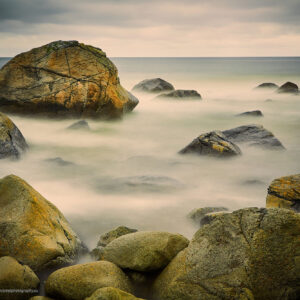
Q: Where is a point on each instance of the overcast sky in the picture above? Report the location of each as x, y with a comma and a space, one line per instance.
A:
155, 27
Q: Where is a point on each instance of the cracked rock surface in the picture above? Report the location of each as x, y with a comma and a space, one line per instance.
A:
63, 78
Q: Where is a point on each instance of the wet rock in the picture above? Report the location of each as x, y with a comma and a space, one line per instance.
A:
179, 94
14, 276
214, 143
253, 113
59, 161
253, 135
82, 124
81, 281
32, 229
154, 85
145, 250
289, 87
198, 214
285, 192
63, 78
12, 142
267, 85
110, 293
248, 254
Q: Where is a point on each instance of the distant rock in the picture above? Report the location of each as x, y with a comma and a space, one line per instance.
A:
82, 124
253, 113
180, 94
213, 143
12, 142
198, 214
59, 161
154, 85
285, 192
289, 87
267, 85
111, 293
253, 135
63, 79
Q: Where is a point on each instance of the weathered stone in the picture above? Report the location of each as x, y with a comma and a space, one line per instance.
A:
198, 214
248, 254
82, 124
81, 281
253, 135
253, 113
182, 94
267, 85
289, 87
144, 250
32, 229
12, 142
285, 192
153, 85
213, 143
110, 293
63, 78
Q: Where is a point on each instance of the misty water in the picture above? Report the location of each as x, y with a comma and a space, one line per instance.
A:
128, 172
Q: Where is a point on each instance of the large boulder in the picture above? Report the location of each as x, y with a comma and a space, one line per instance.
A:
145, 250
154, 85
248, 254
253, 135
288, 87
63, 78
213, 143
267, 85
285, 192
81, 281
12, 142
111, 293
182, 94
32, 229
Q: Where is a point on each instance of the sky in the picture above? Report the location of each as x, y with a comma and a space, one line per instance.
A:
155, 28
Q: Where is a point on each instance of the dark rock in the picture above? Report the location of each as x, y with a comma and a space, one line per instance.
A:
59, 161
213, 143
253, 135
267, 85
130, 105
289, 87
253, 113
82, 124
154, 85
179, 94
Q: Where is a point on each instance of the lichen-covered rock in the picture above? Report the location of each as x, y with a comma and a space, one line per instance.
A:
198, 214
253, 135
253, 113
81, 281
82, 124
213, 144
153, 85
32, 229
110, 293
248, 254
288, 87
144, 250
182, 94
267, 85
285, 192
12, 142
14, 276
63, 78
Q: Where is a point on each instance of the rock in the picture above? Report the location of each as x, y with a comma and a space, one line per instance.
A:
132, 103
153, 86
14, 276
82, 124
59, 161
81, 281
40, 298
253, 113
111, 293
285, 192
289, 87
198, 214
248, 254
253, 135
267, 85
213, 143
12, 142
32, 229
145, 250
178, 94
63, 78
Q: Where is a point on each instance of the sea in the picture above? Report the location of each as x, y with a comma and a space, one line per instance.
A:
128, 172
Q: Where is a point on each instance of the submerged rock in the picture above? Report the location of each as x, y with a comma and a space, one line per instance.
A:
12, 142
111, 293
145, 250
213, 143
153, 85
82, 124
63, 78
81, 281
33, 230
59, 161
178, 94
253, 135
267, 85
253, 113
248, 254
289, 87
285, 192
198, 214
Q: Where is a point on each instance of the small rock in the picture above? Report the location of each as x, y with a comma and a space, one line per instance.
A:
82, 124
111, 293
153, 85
267, 85
178, 94
213, 143
253, 113
289, 87
59, 161
198, 214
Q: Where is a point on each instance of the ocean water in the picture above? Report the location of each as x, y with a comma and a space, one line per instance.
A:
128, 172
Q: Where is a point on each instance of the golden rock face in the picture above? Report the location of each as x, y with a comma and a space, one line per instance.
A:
63, 79
284, 192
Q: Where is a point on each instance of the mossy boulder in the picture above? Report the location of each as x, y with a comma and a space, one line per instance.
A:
145, 250
63, 78
81, 281
110, 293
12, 142
285, 192
32, 229
248, 254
